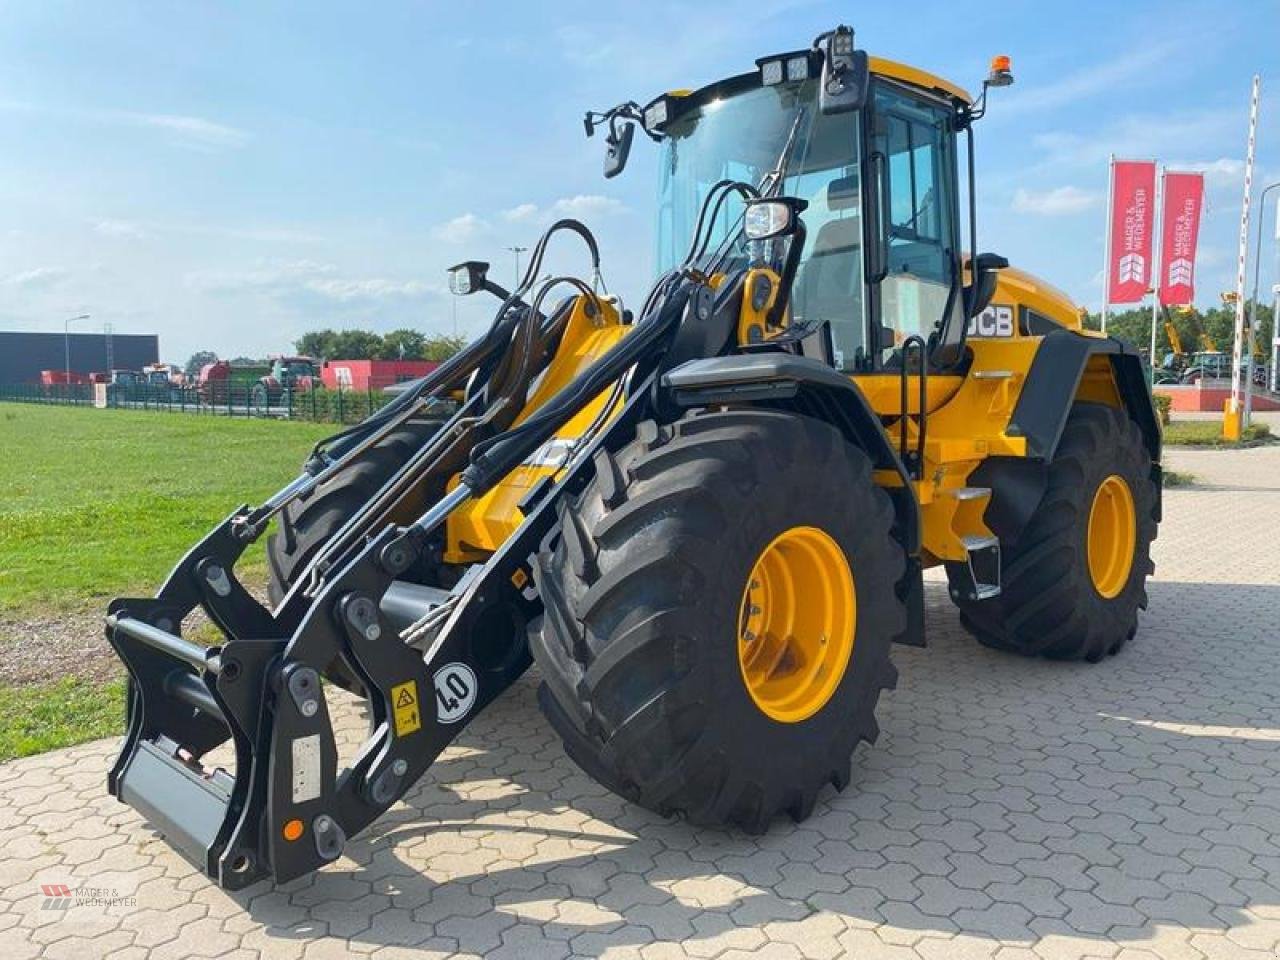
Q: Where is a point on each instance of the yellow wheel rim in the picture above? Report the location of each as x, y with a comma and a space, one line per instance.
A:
1113, 534
796, 626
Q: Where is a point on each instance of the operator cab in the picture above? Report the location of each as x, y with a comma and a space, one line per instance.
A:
882, 256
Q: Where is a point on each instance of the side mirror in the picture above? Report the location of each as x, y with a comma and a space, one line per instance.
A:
468, 277
846, 75
775, 217
982, 286
617, 149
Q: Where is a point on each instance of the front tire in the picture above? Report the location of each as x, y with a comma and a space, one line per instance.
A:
1076, 577
306, 525
651, 601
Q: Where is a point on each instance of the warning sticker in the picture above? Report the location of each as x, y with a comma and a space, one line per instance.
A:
405, 709
306, 768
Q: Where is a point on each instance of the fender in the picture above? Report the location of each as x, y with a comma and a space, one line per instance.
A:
805, 386
1050, 388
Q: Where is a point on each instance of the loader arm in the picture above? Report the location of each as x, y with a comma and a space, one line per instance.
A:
288, 809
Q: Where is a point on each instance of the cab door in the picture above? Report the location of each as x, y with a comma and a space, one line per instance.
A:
915, 258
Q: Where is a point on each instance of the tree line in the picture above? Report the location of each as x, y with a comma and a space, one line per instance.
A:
1212, 329
329, 344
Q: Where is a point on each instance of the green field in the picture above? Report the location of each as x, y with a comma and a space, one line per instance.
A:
98, 503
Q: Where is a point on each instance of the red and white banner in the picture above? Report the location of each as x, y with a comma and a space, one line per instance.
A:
1132, 210
1183, 199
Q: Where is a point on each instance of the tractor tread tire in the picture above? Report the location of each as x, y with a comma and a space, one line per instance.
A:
639, 677
307, 524
1048, 606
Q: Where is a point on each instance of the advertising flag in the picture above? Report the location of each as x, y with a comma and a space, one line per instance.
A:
1183, 199
1132, 210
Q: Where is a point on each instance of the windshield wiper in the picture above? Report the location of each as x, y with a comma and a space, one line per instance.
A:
774, 177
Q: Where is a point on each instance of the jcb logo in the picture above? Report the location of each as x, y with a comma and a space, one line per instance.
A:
995, 321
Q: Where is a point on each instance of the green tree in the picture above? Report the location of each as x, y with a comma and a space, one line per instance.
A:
355, 345
402, 344
441, 347
198, 360
316, 343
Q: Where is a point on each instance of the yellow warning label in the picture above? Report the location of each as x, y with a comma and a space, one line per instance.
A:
404, 702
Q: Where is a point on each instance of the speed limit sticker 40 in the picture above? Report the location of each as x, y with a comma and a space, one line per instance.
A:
456, 687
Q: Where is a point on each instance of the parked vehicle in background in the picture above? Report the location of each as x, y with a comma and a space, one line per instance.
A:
61, 378
1216, 365
126, 378
163, 375
221, 380
293, 374
373, 374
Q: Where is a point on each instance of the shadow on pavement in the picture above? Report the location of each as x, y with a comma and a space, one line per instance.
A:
1008, 799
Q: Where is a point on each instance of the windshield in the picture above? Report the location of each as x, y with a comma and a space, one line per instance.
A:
740, 138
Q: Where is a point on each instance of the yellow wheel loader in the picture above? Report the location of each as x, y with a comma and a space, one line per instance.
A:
704, 516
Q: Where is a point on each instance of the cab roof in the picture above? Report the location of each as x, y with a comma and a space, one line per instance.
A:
917, 77
879, 66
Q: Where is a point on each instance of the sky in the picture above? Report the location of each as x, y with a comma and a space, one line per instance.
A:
230, 175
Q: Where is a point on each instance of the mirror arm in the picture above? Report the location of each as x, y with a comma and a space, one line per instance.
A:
789, 269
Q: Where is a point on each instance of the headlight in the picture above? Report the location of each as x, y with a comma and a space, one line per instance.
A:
468, 277
765, 219
771, 72
798, 67
655, 114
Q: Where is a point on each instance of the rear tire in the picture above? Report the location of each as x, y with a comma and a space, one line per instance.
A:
1050, 604
644, 594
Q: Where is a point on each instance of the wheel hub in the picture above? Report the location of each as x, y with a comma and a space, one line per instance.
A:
796, 624
1113, 534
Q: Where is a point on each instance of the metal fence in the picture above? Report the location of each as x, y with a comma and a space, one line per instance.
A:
343, 405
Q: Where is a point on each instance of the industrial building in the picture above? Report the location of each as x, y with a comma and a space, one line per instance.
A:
23, 354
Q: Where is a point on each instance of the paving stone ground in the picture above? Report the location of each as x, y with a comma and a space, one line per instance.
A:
1012, 809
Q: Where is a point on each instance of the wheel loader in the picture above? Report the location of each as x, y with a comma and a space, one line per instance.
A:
704, 515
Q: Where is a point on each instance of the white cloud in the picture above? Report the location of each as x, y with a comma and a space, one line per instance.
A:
460, 229
1060, 201
293, 279
582, 206
587, 205
521, 213
119, 228
36, 278
187, 131
190, 131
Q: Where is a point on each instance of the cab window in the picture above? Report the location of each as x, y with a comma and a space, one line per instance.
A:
919, 292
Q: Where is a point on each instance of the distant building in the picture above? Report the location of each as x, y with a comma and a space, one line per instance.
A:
24, 354
372, 374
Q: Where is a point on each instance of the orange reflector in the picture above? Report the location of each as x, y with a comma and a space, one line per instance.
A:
1000, 64
292, 830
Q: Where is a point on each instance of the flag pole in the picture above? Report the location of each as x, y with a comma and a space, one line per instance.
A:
1157, 242
1106, 264
1235, 418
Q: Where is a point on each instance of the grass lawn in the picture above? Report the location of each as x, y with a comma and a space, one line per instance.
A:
46, 716
98, 503
1208, 433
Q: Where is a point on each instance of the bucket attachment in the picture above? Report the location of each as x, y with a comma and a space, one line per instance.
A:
276, 804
